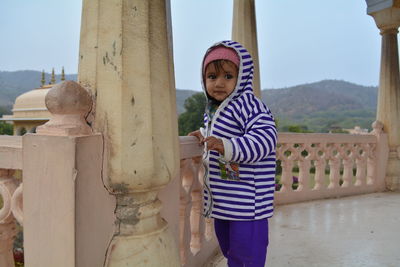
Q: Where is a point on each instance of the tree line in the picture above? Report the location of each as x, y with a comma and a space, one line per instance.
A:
192, 118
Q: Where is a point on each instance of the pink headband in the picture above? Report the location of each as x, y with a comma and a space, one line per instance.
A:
221, 52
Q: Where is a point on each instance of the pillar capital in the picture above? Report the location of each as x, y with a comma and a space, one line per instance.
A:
386, 14
394, 31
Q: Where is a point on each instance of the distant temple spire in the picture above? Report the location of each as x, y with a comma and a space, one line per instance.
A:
43, 81
53, 77
62, 74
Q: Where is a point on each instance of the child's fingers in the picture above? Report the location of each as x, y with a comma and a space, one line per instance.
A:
198, 135
211, 141
195, 133
209, 138
214, 143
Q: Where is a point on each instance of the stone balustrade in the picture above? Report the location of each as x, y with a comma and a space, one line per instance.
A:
195, 231
10, 194
314, 166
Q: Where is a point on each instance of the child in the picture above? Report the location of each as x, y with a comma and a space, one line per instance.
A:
239, 157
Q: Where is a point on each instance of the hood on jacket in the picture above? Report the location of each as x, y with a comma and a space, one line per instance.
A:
245, 70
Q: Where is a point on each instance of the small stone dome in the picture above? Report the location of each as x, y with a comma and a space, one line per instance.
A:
29, 110
32, 104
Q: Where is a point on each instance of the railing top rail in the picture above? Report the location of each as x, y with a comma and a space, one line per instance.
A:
294, 138
189, 147
11, 141
10, 152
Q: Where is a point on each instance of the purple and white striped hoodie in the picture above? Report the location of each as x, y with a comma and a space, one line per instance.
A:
247, 129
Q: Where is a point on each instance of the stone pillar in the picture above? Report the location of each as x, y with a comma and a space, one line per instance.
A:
126, 61
387, 18
244, 31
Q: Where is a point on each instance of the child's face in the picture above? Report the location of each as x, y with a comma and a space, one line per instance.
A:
221, 83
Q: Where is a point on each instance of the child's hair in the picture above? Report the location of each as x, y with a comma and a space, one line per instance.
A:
219, 64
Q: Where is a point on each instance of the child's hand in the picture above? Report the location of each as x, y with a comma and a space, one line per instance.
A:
214, 143
198, 135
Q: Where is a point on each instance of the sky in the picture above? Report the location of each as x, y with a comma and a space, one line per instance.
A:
298, 41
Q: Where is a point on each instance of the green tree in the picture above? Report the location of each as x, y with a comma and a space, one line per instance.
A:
5, 128
192, 118
296, 129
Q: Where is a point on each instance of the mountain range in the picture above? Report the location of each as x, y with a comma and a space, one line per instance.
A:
316, 106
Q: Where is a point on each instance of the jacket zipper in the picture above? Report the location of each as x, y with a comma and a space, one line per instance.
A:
206, 175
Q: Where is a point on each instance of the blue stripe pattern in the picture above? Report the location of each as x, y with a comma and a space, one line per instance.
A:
248, 124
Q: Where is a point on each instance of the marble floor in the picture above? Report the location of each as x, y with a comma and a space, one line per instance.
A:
357, 231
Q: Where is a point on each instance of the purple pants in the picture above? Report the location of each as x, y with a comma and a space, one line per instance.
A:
243, 243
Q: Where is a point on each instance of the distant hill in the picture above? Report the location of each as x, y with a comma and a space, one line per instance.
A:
320, 105
323, 105
14, 83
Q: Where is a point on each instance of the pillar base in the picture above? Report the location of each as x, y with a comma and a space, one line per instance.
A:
153, 249
393, 171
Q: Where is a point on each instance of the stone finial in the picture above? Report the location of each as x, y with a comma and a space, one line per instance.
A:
69, 103
377, 127
53, 77
43, 81
62, 74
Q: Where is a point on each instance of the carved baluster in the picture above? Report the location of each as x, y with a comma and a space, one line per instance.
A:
287, 166
182, 212
185, 173
334, 168
347, 166
195, 240
286, 179
279, 156
361, 166
16, 204
320, 167
371, 164
208, 233
208, 223
8, 229
304, 168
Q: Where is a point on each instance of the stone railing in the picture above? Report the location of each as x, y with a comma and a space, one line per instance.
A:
196, 234
11, 196
313, 166
316, 166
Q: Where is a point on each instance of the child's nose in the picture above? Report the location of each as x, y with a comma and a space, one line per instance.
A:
220, 82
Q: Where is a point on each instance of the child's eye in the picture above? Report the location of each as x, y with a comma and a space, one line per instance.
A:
211, 76
228, 76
